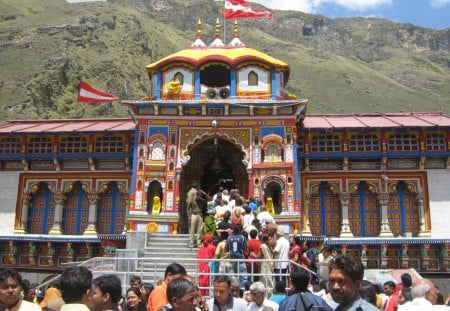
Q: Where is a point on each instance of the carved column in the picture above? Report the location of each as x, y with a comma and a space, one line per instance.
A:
51, 252
445, 259
307, 229
346, 232
32, 253
423, 232
13, 253
425, 256
385, 230
92, 219
59, 201
364, 255
405, 257
26, 198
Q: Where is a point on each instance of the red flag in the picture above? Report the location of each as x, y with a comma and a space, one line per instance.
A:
240, 9
88, 94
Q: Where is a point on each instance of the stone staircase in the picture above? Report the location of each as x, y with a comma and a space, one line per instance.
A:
163, 249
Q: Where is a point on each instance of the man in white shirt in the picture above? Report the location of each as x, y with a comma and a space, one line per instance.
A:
281, 252
260, 301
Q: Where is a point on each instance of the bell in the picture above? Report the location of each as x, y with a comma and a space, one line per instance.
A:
217, 165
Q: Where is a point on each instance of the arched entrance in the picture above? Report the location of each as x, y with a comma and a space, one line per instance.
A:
273, 190
214, 162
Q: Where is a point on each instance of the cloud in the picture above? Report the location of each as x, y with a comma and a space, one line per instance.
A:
312, 6
439, 3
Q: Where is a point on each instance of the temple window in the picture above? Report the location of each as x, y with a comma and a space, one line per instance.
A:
73, 144
436, 142
364, 143
272, 152
253, 78
75, 211
109, 144
111, 211
403, 142
324, 212
41, 210
40, 145
301, 144
10, 145
326, 143
157, 150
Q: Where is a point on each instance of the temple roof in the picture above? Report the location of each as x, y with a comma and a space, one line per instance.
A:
229, 55
387, 120
67, 125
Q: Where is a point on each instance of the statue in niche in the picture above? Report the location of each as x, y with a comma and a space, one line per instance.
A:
269, 206
156, 207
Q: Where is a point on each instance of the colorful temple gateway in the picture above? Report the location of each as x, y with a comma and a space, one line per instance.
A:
375, 185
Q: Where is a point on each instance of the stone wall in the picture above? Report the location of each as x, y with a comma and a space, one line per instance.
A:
9, 182
439, 198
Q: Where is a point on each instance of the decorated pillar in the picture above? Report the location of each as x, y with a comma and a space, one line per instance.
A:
383, 256
307, 229
346, 232
59, 201
423, 232
26, 198
92, 219
51, 252
70, 251
385, 230
405, 257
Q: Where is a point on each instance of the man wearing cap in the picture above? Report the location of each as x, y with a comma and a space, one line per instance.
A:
281, 252
324, 261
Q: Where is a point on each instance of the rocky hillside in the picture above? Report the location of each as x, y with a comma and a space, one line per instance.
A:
341, 65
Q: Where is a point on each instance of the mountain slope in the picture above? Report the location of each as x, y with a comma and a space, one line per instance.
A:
342, 66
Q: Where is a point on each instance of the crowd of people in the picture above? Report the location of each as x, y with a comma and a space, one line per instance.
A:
344, 290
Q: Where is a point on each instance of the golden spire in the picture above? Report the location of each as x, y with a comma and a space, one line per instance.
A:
236, 29
199, 29
218, 32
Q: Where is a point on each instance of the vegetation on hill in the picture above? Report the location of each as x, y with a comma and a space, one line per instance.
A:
356, 65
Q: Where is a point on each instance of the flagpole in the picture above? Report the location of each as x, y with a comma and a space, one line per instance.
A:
224, 23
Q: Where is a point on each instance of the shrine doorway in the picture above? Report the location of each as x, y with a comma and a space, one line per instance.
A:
215, 162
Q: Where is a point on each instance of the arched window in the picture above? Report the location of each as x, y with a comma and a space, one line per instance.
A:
109, 144
364, 143
10, 145
73, 144
273, 152
40, 145
363, 212
403, 211
111, 211
157, 150
252, 78
403, 142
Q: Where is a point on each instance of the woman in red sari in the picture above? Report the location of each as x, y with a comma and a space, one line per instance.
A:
205, 252
296, 252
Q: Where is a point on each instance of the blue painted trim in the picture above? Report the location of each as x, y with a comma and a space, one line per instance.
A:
401, 203
361, 189
158, 85
378, 155
274, 83
323, 223
233, 83
63, 238
197, 85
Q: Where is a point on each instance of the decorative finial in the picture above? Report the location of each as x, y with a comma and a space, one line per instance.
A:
218, 31
199, 29
198, 43
236, 29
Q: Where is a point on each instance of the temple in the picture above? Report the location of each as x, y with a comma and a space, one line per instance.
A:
220, 115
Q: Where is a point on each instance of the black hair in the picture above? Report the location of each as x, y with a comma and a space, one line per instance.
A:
179, 287
74, 282
391, 284
300, 279
222, 279
253, 233
406, 279
109, 284
280, 286
350, 265
135, 278
368, 293
11, 273
175, 268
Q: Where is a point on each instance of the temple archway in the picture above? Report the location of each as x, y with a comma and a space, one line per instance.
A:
214, 162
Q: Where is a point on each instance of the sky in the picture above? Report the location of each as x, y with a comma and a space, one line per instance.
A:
433, 14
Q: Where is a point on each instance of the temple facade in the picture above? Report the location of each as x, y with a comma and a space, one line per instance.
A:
219, 115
